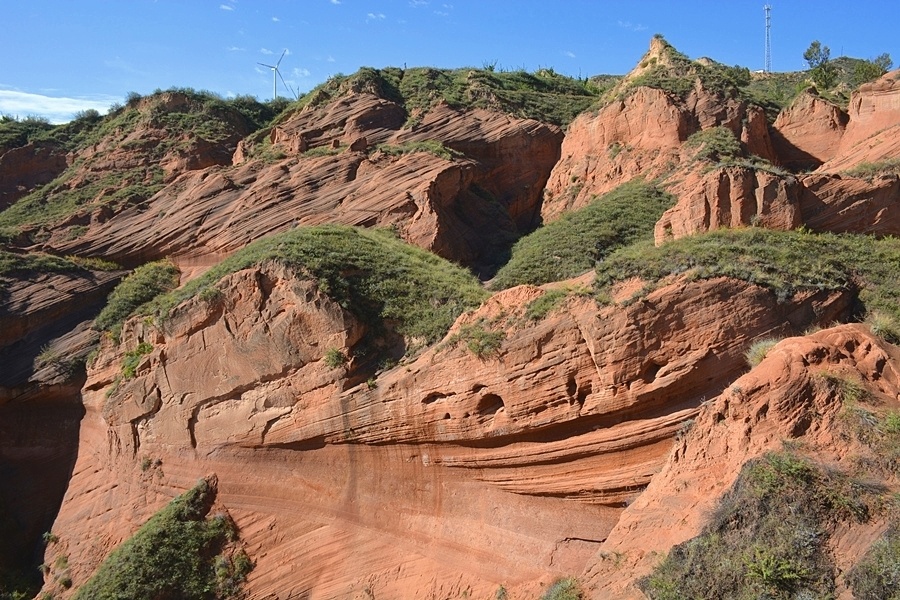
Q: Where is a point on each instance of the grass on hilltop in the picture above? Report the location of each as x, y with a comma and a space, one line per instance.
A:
371, 273
199, 116
783, 261
573, 244
543, 95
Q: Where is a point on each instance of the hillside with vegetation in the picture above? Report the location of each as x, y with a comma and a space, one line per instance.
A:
456, 333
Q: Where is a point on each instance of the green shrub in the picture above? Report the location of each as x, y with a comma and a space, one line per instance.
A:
850, 391
574, 243
144, 284
768, 538
335, 358
884, 326
133, 358
172, 556
759, 349
541, 306
433, 147
877, 576
563, 589
889, 166
480, 341
377, 277
715, 144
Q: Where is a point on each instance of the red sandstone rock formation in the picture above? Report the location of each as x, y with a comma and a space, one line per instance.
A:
808, 133
730, 197
448, 472
641, 134
466, 209
23, 169
872, 132
782, 399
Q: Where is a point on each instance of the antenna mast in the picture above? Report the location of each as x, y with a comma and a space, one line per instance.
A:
768, 9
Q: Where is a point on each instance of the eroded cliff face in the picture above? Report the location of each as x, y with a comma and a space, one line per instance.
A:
644, 134
557, 447
783, 401
449, 472
468, 208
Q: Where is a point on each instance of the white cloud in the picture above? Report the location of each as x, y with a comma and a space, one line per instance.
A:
329, 59
374, 16
570, 54
56, 109
418, 3
226, 7
236, 49
266, 51
335, 2
631, 26
275, 19
300, 72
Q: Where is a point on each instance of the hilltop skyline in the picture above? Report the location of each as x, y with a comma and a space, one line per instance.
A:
70, 60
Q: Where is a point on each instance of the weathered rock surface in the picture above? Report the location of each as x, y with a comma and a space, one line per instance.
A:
47, 314
838, 203
22, 169
730, 197
872, 132
808, 133
446, 473
467, 209
642, 134
783, 398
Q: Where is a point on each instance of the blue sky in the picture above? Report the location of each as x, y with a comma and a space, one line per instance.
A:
61, 56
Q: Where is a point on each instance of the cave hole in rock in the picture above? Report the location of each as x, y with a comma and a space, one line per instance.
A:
433, 397
650, 371
489, 404
583, 392
478, 387
446, 416
571, 386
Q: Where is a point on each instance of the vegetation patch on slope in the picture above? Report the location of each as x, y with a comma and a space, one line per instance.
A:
543, 95
177, 554
371, 273
170, 121
783, 261
768, 536
573, 244
143, 285
677, 74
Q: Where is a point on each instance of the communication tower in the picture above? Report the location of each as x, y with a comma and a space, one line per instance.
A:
768, 9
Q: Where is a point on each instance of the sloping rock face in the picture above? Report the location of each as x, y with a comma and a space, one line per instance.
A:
831, 202
22, 169
450, 473
781, 399
808, 133
468, 209
44, 337
730, 197
872, 132
642, 135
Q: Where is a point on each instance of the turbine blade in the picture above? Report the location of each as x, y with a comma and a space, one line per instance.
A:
284, 82
280, 59
265, 65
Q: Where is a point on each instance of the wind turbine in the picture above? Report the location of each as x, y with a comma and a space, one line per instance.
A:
275, 75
